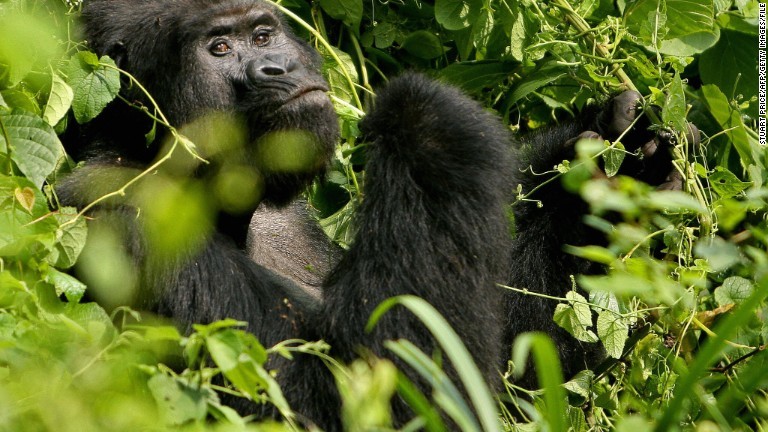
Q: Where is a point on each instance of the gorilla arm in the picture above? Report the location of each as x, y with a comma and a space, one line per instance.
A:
538, 261
432, 224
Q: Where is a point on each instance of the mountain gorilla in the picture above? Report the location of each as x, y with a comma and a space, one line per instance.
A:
440, 174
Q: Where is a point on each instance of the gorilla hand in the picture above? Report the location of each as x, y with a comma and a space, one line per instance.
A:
623, 120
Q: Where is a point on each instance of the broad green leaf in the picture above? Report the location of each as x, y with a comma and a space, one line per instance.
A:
23, 226
366, 390
34, 146
725, 183
474, 77
593, 253
240, 357
523, 27
690, 44
65, 284
350, 12
674, 201
94, 85
613, 332
734, 290
546, 74
423, 44
674, 109
580, 384
177, 401
19, 98
92, 318
730, 121
59, 100
70, 238
679, 27
612, 159
720, 255
335, 74
575, 317
457, 14
730, 65
26, 42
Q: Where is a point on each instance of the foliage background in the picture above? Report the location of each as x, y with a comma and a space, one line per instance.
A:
681, 311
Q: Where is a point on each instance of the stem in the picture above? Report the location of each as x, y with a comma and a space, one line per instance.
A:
583, 27
7, 145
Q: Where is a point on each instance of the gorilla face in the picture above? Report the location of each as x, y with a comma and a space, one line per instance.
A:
233, 56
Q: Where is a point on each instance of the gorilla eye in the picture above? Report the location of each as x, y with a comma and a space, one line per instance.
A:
220, 48
261, 38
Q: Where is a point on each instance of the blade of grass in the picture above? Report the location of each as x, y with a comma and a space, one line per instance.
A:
470, 376
549, 372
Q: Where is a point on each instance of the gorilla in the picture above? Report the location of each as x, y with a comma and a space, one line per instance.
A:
440, 175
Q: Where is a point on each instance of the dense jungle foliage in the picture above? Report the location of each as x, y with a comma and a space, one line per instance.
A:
681, 311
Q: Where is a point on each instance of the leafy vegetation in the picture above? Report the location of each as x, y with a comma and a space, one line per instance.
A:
681, 311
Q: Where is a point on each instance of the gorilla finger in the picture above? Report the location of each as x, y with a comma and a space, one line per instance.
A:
673, 181
649, 149
624, 110
693, 135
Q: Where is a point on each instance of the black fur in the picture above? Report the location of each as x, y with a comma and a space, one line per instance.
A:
433, 223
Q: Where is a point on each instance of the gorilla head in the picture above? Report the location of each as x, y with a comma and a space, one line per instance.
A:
237, 57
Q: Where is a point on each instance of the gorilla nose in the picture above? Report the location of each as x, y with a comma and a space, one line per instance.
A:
270, 66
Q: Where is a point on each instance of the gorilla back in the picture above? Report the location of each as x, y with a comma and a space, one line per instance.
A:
433, 222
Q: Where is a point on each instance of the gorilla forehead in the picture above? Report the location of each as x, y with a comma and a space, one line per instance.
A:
136, 24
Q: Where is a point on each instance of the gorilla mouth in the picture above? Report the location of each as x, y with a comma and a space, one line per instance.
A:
305, 91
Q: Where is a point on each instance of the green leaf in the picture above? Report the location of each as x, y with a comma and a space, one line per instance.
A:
59, 100
65, 284
593, 253
457, 14
524, 28
544, 75
730, 121
177, 401
474, 77
335, 74
34, 146
94, 85
350, 12
674, 110
24, 230
674, 201
679, 27
612, 159
734, 290
613, 332
26, 41
725, 183
423, 44
575, 317
93, 319
240, 357
580, 384
70, 238
19, 98
720, 255
730, 65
